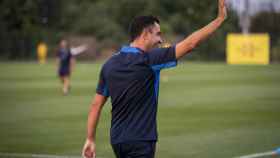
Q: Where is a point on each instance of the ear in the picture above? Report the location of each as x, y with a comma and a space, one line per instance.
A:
145, 34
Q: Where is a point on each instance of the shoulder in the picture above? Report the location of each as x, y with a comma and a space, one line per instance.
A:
163, 50
109, 62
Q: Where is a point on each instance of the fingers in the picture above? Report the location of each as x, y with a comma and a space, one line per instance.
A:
225, 11
88, 150
222, 3
84, 152
88, 153
222, 9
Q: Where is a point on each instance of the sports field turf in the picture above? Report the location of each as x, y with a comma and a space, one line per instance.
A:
206, 110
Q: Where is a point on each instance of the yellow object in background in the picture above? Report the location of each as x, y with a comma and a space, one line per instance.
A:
248, 49
42, 50
165, 45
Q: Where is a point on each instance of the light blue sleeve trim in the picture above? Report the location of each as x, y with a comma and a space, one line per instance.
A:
105, 91
128, 49
165, 65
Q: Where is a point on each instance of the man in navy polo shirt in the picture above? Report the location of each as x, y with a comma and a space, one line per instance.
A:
131, 78
65, 62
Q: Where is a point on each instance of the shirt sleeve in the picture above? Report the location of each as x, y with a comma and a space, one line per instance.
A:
102, 87
161, 58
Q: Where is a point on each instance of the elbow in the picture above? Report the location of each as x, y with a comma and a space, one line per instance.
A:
194, 43
183, 49
187, 46
190, 46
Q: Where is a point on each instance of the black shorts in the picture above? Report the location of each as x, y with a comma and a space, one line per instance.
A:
63, 72
139, 149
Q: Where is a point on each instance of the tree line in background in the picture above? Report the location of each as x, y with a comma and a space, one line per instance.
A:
24, 23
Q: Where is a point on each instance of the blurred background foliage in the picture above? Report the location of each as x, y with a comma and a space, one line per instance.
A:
24, 23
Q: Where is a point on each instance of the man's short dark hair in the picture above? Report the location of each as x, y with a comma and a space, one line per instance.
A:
139, 23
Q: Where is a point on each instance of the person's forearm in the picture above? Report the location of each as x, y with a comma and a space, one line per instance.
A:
78, 50
93, 121
93, 117
197, 37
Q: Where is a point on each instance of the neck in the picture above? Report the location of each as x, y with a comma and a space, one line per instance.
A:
139, 44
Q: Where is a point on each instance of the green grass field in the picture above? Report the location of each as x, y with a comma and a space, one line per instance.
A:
206, 110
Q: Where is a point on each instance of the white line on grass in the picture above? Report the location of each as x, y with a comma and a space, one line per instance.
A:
270, 153
21, 155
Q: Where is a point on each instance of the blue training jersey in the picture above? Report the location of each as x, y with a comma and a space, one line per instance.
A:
131, 78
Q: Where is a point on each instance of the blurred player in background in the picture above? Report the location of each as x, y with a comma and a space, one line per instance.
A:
42, 51
131, 79
66, 62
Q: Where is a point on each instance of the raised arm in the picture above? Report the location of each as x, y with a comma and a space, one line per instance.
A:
189, 43
78, 50
94, 114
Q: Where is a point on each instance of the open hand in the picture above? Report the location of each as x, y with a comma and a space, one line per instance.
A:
222, 10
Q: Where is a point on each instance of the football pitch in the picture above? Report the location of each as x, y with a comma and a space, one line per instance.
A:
206, 110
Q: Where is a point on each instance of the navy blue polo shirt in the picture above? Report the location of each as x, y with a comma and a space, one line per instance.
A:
131, 78
64, 56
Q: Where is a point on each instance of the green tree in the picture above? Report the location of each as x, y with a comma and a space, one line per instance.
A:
108, 21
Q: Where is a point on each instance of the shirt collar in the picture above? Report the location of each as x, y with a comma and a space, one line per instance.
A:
133, 50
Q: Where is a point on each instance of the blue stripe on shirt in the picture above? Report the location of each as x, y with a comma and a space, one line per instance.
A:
157, 69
